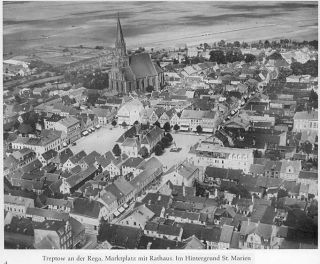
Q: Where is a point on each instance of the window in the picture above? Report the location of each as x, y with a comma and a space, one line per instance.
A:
134, 223
95, 227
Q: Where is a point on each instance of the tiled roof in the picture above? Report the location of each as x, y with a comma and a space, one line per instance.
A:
59, 202
226, 234
49, 154
312, 175
86, 207
304, 115
142, 66
77, 157
132, 162
49, 214
77, 178
120, 236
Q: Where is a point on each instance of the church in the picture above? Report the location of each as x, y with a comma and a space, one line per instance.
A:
135, 72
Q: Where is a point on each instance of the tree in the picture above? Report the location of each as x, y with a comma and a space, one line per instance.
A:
236, 44
124, 124
168, 135
313, 99
157, 124
116, 150
307, 147
249, 58
217, 56
158, 150
149, 89
167, 127
136, 122
114, 122
143, 152
199, 129
176, 127
165, 142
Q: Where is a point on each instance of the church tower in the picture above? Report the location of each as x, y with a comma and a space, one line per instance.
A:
121, 57
135, 72
120, 62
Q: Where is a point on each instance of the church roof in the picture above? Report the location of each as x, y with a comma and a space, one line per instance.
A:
142, 66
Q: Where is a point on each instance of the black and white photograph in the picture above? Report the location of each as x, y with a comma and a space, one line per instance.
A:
160, 125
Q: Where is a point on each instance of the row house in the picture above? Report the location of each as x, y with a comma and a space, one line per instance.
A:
57, 234
17, 205
183, 174
74, 160
191, 119
74, 182
153, 229
305, 121
89, 213
70, 126
207, 154
48, 139
152, 169
185, 217
60, 205
138, 218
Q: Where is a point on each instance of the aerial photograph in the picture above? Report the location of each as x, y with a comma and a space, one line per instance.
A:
160, 125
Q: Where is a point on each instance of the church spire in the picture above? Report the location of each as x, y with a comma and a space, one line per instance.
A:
120, 43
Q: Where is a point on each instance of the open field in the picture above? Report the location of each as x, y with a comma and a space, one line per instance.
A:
31, 25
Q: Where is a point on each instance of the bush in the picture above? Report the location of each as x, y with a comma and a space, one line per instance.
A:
114, 123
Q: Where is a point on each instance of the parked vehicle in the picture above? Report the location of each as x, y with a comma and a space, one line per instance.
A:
85, 133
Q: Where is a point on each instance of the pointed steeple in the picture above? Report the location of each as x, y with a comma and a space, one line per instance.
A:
120, 43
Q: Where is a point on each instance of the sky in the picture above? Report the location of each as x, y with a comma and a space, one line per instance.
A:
30, 25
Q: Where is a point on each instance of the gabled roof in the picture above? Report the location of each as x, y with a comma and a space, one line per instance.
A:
86, 207
193, 243
152, 135
77, 157
91, 158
